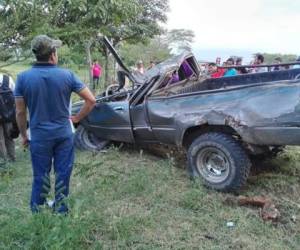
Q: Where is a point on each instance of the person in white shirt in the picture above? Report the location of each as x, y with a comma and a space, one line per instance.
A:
277, 60
140, 69
259, 60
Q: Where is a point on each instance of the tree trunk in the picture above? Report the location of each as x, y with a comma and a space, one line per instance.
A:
115, 69
89, 63
17, 55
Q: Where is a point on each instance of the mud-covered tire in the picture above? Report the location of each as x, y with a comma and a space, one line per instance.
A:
86, 140
220, 161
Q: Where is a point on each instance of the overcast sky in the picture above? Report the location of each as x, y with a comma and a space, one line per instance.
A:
239, 26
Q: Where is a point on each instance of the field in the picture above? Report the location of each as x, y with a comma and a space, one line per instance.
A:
14, 69
129, 198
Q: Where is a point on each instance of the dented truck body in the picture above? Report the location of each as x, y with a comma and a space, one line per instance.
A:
263, 114
218, 121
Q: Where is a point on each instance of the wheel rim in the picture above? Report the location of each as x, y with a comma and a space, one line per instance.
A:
213, 164
91, 140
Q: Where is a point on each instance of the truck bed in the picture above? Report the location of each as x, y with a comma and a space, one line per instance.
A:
229, 82
261, 112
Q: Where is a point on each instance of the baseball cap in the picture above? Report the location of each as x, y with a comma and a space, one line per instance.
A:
43, 45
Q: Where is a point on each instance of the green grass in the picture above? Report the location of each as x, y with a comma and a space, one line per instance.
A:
122, 199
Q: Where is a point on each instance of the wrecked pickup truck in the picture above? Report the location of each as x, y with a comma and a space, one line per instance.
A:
219, 122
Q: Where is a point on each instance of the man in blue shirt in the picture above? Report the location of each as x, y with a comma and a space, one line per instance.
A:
45, 90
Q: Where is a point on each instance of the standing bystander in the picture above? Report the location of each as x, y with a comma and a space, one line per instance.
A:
151, 65
7, 118
214, 71
297, 66
240, 70
277, 60
230, 71
259, 60
96, 72
45, 90
140, 70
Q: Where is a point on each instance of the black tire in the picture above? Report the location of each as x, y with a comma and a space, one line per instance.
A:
86, 140
220, 161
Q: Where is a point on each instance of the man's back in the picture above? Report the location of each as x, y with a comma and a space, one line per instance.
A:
46, 90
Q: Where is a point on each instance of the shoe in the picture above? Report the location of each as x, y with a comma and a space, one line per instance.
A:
50, 203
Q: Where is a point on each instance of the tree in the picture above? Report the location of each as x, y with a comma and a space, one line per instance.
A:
270, 58
144, 25
80, 21
67, 19
72, 21
14, 21
155, 50
140, 28
180, 39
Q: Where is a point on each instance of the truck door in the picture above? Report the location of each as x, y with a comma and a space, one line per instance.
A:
111, 120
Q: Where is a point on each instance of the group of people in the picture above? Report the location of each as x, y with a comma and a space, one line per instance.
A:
232, 67
140, 68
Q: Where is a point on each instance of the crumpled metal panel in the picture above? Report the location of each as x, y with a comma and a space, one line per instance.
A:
246, 110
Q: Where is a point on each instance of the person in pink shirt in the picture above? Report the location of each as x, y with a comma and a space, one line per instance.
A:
96, 72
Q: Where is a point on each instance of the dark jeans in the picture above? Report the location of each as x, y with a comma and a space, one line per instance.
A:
60, 152
7, 144
95, 82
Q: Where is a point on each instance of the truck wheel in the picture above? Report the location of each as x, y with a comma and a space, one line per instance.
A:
219, 160
86, 140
